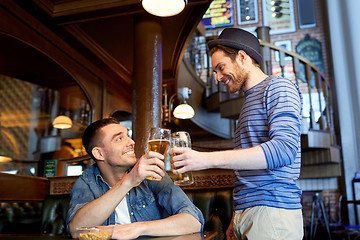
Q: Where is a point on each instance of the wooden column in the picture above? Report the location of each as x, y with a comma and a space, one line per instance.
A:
147, 87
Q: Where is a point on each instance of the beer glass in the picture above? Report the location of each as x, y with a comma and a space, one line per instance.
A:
182, 139
158, 141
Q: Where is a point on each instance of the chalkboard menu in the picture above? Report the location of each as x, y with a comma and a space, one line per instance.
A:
50, 168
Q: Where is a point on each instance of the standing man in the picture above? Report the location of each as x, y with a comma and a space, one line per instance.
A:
114, 191
267, 155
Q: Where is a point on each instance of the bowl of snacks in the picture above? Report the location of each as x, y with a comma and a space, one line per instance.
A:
94, 233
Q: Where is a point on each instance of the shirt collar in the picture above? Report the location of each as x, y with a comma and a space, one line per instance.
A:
98, 175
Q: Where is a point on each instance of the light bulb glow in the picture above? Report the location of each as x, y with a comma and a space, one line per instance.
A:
184, 111
5, 159
62, 122
164, 8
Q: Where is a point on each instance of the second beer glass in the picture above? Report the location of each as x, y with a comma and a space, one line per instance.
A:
158, 141
182, 139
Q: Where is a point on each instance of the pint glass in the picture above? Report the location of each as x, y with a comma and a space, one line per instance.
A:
158, 141
182, 139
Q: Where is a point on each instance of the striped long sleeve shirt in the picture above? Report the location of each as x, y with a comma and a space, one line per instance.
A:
270, 117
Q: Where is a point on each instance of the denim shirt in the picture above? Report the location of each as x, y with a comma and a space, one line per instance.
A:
151, 200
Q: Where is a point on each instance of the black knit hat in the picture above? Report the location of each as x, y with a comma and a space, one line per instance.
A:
237, 38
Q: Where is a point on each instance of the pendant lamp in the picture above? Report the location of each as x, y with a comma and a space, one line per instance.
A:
164, 8
62, 122
5, 159
184, 111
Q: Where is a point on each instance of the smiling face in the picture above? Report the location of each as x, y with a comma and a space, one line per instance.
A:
228, 71
116, 148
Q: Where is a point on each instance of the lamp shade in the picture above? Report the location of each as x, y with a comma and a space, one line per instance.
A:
62, 122
164, 8
5, 159
184, 111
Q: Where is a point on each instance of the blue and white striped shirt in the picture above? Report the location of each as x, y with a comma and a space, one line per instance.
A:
270, 117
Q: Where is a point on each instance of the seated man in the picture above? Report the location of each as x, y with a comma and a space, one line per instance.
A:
114, 191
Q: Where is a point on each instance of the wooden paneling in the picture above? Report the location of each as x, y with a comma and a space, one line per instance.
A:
23, 188
61, 185
211, 178
205, 179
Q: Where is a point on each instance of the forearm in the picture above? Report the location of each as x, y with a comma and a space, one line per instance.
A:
179, 224
239, 159
182, 223
96, 212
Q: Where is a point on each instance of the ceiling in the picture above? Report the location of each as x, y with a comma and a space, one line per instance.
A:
103, 32
41, 70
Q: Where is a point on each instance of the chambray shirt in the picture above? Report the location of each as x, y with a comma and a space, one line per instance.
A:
151, 200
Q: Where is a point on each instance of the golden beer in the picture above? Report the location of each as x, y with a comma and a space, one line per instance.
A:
160, 146
183, 179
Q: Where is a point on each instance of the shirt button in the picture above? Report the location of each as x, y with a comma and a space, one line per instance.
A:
132, 213
143, 206
128, 193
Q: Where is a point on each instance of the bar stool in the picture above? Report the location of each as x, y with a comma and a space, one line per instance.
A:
319, 209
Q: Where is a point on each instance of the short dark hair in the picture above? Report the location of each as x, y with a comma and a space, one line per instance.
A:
230, 52
91, 134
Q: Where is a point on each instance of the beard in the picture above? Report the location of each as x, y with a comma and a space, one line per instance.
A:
239, 77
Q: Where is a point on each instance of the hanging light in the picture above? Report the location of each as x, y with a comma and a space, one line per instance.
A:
5, 159
62, 122
164, 8
184, 111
